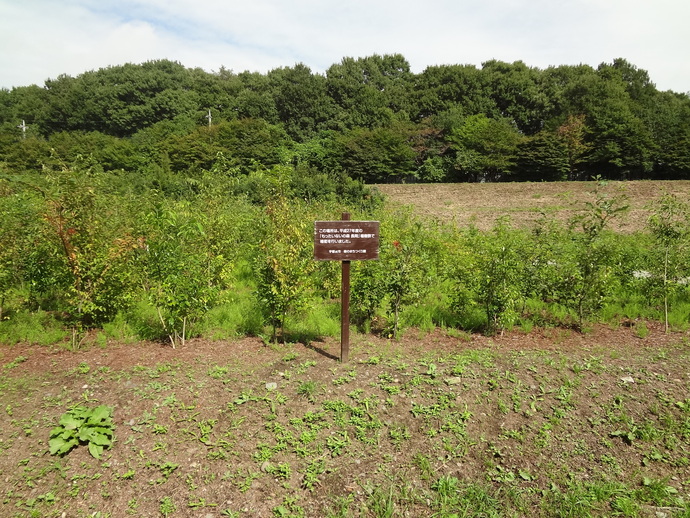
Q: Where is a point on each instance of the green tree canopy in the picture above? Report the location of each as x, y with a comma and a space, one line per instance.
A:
484, 148
462, 122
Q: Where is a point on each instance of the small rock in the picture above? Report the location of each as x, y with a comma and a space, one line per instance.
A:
627, 379
271, 386
453, 381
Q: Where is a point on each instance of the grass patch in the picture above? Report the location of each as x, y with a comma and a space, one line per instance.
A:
39, 328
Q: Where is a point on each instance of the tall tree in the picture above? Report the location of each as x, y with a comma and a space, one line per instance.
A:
516, 91
446, 88
119, 100
301, 101
540, 158
255, 99
250, 142
621, 146
572, 133
484, 148
370, 92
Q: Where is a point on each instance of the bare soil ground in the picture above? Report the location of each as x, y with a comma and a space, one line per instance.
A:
524, 202
554, 423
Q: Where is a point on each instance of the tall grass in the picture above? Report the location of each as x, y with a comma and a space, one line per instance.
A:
40, 327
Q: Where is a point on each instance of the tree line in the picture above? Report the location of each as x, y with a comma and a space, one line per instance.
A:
369, 119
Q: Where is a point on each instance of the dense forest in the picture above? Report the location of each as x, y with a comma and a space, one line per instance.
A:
369, 119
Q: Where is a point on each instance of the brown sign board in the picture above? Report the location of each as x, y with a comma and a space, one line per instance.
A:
346, 240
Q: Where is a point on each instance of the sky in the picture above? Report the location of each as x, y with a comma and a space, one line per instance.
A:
42, 39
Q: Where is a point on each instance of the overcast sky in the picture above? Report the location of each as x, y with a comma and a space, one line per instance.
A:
41, 39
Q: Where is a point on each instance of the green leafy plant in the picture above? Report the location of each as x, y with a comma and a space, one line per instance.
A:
181, 283
92, 427
289, 508
315, 468
592, 279
669, 225
407, 270
367, 291
308, 389
15, 362
500, 287
81, 262
280, 471
167, 506
284, 265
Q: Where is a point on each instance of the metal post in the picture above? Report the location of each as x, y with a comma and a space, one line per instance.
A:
345, 306
23, 127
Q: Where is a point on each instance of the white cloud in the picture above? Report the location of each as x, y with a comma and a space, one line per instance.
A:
42, 38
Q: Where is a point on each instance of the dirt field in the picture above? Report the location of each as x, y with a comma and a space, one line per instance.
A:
482, 204
554, 423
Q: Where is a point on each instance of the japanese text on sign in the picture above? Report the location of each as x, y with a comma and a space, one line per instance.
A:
346, 240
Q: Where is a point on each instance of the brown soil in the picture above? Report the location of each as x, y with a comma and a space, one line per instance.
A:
482, 204
163, 398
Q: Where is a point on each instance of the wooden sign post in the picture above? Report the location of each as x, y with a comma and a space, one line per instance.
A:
345, 241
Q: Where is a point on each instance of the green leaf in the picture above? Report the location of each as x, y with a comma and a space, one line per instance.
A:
70, 422
55, 432
101, 440
79, 412
68, 434
55, 445
95, 450
525, 475
99, 414
82, 425
101, 430
60, 447
85, 434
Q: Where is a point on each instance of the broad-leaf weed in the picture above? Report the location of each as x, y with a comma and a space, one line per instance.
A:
80, 425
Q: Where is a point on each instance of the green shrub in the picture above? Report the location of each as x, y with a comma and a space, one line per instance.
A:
237, 315
284, 263
120, 329
182, 279
320, 319
670, 228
